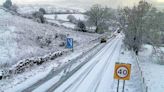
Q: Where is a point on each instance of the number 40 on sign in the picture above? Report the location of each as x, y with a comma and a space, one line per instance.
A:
122, 71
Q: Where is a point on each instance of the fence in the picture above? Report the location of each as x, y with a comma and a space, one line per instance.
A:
142, 79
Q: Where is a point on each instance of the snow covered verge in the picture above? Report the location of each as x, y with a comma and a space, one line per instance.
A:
21, 39
153, 71
20, 82
135, 82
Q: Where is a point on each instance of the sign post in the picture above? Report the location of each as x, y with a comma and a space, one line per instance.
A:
123, 85
69, 43
118, 85
122, 72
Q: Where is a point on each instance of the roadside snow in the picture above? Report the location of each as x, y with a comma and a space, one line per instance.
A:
154, 75
27, 83
20, 80
134, 84
153, 72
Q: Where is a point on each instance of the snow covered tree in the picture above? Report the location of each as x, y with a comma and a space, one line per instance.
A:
56, 16
98, 15
39, 17
81, 26
42, 10
7, 4
135, 18
71, 18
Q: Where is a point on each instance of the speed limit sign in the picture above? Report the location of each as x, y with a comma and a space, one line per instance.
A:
122, 71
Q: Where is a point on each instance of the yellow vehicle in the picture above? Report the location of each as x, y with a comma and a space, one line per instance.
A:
103, 40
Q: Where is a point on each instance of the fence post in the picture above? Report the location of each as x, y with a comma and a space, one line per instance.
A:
146, 89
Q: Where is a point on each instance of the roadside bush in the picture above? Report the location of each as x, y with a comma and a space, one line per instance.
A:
42, 10
71, 18
44, 42
62, 44
162, 40
7, 4
39, 17
81, 26
161, 59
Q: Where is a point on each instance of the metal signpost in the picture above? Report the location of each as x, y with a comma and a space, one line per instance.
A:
122, 72
69, 43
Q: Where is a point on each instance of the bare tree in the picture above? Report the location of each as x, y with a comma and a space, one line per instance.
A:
39, 17
7, 4
71, 18
135, 20
81, 26
42, 10
98, 15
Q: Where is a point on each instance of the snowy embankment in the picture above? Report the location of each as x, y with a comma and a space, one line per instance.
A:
44, 70
152, 71
135, 83
22, 39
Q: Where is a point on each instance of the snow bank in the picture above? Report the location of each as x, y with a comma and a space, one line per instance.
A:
29, 82
152, 72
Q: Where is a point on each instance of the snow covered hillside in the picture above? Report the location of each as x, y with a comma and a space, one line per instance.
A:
22, 38
28, 9
62, 19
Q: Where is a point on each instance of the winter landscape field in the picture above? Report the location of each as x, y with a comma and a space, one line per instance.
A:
81, 46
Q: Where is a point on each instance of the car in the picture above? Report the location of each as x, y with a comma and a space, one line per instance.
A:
1, 74
103, 40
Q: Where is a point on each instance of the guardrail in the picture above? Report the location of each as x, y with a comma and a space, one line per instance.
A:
142, 79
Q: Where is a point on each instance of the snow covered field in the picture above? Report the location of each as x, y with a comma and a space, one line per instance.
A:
63, 17
19, 38
29, 9
62, 20
153, 72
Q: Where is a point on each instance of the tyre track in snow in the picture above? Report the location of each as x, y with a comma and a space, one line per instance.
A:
54, 73
105, 69
93, 87
57, 71
83, 75
99, 74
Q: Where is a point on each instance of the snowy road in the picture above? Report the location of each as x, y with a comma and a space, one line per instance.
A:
97, 74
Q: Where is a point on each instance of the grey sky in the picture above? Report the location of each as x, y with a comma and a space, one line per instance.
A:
87, 3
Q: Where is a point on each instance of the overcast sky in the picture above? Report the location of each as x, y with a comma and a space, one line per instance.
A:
86, 3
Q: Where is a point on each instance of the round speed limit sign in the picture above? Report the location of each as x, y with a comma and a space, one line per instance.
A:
122, 71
